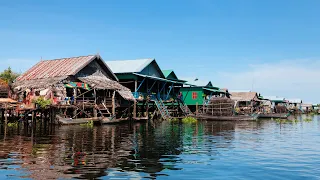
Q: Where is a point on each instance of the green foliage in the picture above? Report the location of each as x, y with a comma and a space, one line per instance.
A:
307, 120
14, 125
174, 120
42, 103
282, 121
8, 75
189, 120
88, 124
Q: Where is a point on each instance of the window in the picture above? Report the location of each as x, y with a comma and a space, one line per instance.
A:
194, 95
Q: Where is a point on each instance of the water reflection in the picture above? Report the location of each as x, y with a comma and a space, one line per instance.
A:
159, 150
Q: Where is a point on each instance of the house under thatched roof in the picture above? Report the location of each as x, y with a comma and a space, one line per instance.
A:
244, 96
55, 73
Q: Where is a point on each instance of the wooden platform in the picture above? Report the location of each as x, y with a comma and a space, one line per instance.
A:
227, 118
275, 115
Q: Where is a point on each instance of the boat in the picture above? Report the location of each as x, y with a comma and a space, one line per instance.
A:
252, 117
275, 115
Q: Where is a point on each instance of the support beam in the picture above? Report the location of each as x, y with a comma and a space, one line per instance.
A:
75, 101
171, 87
135, 102
5, 114
113, 103
140, 85
164, 85
151, 87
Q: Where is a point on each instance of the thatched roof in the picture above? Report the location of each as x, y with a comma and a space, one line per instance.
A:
102, 82
38, 84
244, 96
7, 100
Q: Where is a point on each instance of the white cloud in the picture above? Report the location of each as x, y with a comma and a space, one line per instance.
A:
290, 79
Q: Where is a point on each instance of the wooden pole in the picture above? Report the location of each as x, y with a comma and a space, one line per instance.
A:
32, 119
135, 102
6, 115
83, 102
95, 96
113, 104
197, 108
75, 101
2, 115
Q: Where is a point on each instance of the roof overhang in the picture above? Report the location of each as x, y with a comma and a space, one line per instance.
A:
158, 78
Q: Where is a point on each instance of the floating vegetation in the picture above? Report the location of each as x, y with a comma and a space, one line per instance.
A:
307, 120
174, 120
189, 120
15, 124
88, 124
281, 121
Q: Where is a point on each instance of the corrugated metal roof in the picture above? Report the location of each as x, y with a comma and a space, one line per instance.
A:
56, 68
274, 98
128, 66
295, 100
159, 79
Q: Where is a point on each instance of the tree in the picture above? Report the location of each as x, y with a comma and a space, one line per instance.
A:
8, 75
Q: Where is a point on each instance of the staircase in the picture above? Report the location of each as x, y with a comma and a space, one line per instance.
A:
185, 109
162, 109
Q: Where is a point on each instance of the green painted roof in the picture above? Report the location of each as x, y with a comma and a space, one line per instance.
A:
170, 74
166, 73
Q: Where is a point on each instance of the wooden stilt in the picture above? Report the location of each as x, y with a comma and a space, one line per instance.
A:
129, 111
2, 115
113, 104
6, 115
75, 102
135, 102
32, 119
197, 108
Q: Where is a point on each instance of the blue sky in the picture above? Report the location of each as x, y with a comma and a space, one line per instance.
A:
272, 46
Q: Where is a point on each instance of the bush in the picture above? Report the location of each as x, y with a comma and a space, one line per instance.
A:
189, 120
42, 103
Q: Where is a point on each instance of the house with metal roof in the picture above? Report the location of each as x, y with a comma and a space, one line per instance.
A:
147, 81
195, 95
84, 83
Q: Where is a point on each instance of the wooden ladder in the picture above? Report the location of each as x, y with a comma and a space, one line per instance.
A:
185, 109
162, 109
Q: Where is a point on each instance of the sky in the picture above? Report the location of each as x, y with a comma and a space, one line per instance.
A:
267, 46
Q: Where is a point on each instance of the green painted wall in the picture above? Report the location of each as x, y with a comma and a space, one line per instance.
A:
187, 96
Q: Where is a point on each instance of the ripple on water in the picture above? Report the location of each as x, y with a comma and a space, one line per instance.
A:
206, 150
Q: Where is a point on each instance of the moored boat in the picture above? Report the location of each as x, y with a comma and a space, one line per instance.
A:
275, 115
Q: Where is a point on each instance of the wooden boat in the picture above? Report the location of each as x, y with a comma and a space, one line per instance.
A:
275, 115
253, 117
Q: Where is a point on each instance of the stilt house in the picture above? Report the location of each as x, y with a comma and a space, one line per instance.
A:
81, 86
199, 95
148, 84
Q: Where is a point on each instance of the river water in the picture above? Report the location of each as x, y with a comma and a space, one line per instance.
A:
265, 149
